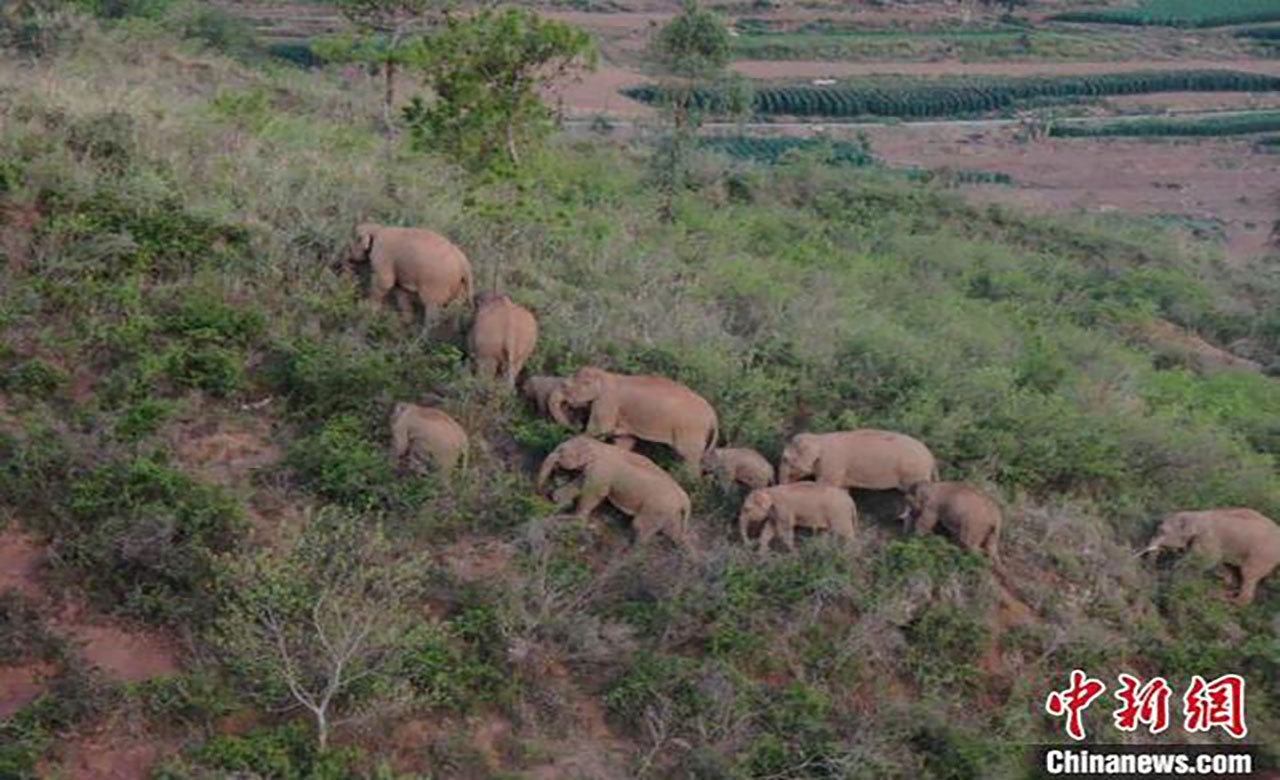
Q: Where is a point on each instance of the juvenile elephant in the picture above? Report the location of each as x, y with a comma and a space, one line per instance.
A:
652, 408
547, 394
502, 337
779, 509
864, 458
412, 261
1242, 538
740, 465
426, 434
971, 517
631, 482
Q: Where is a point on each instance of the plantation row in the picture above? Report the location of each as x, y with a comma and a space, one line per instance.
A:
1215, 126
1181, 13
922, 100
772, 150
1259, 33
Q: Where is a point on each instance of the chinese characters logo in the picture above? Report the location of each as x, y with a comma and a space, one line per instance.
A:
1205, 705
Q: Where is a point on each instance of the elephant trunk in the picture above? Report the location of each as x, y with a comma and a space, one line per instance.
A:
786, 474
548, 468
558, 406
743, 524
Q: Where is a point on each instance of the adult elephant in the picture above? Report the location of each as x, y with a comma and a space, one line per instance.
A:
651, 408
1243, 538
632, 483
865, 458
413, 262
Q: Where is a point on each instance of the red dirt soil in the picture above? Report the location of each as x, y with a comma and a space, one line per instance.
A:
110, 753
20, 685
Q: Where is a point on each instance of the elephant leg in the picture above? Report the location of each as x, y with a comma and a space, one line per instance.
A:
379, 285
589, 498
404, 302
1250, 576
766, 536
487, 367
565, 494
647, 526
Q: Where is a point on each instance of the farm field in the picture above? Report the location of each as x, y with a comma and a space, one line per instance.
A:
1044, 244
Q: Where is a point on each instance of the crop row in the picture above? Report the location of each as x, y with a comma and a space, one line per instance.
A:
771, 150
1259, 33
1240, 124
920, 100
1181, 13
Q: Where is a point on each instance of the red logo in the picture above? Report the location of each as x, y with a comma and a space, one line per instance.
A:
1217, 703
1074, 701
1142, 704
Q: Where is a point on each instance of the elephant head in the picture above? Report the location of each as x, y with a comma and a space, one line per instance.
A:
916, 496
585, 386
799, 459
1176, 532
755, 509
573, 455
366, 232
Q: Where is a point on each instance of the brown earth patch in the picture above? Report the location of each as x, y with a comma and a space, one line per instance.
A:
225, 451
113, 752
15, 239
476, 559
21, 559
131, 655
20, 685
1200, 354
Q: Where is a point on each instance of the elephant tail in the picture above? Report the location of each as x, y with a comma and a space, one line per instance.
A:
713, 438
933, 473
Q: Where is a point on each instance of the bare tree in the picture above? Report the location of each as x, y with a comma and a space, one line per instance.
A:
319, 621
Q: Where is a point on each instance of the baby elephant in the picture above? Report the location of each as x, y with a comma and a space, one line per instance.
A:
1242, 538
970, 516
426, 434
502, 337
631, 482
412, 261
741, 465
779, 509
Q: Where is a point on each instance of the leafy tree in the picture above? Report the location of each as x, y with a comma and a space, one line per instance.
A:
487, 73
390, 31
692, 50
319, 621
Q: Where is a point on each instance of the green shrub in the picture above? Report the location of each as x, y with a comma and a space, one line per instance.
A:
22, 631
1179, 13
147, 538
33, 377
339, 463
284, 752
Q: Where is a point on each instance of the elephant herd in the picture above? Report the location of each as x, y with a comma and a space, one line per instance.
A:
613, 410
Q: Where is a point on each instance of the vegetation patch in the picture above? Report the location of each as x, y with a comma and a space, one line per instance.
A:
1240, 124
917, 100
1180, 13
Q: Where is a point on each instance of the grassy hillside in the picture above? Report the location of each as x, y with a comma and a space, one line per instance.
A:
167, 305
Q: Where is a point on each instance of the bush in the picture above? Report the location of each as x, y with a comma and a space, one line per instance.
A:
339, 463
147, 538
284, 752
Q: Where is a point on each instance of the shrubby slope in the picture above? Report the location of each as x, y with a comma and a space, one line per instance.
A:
170, 218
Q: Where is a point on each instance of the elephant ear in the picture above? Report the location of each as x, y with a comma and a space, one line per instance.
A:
365, 233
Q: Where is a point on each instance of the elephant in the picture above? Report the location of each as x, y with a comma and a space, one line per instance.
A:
631, 482
502, 337
779, 509
412, 261
865, 458
739, 465
547, 394
1243, 538
425, 434
651, 408
971, 517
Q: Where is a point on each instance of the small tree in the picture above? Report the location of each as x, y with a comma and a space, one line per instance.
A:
692, 50
318, 621
389, 31
487, 73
